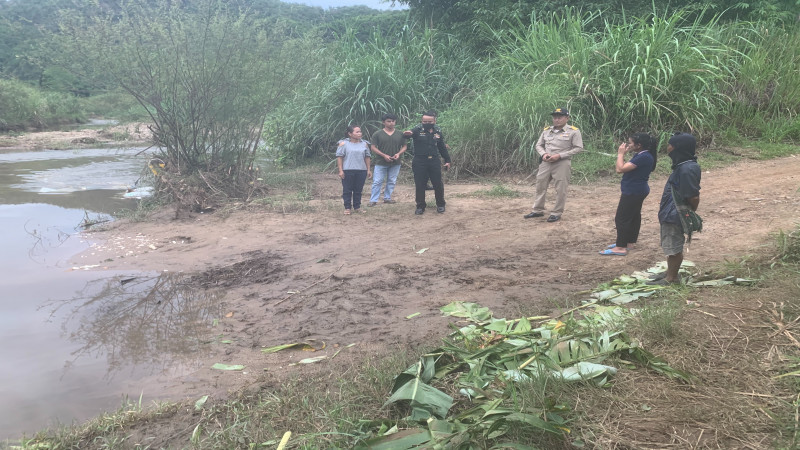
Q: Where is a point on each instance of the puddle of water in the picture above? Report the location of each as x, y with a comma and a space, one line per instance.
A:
75, 343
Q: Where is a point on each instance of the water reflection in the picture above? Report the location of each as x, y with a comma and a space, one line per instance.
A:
156, 322
74, 358
51, 237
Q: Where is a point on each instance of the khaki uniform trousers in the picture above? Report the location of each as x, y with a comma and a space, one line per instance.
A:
559, 173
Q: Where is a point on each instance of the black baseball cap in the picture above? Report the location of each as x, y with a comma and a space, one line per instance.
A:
560, 112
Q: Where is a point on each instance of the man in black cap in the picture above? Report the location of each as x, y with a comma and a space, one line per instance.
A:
682, 191
429, 146
556, 146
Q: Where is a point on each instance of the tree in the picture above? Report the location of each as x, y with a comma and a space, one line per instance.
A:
207, 73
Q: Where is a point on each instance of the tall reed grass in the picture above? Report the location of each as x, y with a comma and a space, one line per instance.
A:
765, 94
416, 72
682, 72
497, 129
649, 73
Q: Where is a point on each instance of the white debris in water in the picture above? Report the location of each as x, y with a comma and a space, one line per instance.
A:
139, 192
123, 246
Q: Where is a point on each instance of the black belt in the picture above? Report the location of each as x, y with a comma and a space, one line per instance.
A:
424, 157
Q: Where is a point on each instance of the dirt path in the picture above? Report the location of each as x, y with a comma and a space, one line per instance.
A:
354, 279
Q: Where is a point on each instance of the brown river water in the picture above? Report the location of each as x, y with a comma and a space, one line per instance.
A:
75, 341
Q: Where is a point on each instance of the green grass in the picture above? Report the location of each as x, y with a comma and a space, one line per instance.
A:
788, 244
296, 180
144, 208
591, 166
288, 191
322, 412
498, 191
107, 430
116, 105
770, 150
286, 204
657, 320
658, 75
708, 159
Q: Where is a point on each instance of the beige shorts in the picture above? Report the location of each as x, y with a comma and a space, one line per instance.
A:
672, 238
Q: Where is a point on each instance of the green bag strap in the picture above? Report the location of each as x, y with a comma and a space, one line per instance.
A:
683, 214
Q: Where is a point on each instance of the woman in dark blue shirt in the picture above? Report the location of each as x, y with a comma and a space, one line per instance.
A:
635, 174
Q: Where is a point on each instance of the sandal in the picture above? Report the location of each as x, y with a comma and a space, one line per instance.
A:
662, 275
346, 212
658, 276
629, 247
663, 282
608, 252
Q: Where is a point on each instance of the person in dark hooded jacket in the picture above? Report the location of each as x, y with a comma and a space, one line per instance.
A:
684, 183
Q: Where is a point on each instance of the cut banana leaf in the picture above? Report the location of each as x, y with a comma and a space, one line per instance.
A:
423, 396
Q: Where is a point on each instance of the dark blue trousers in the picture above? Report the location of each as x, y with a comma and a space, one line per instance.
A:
352, 187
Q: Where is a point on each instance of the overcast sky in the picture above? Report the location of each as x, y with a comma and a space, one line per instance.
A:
376, 4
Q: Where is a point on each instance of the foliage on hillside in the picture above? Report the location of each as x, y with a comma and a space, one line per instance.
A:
723, 70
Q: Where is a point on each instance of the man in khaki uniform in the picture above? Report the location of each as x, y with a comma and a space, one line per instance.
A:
556, 146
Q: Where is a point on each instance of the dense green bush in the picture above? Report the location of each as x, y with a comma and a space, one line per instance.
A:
417, 72
22, 106
207, 73
667, 70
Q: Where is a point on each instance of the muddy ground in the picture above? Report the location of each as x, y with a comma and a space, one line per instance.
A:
318, 274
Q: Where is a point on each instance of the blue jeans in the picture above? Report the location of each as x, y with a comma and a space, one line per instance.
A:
352, 185
388, 173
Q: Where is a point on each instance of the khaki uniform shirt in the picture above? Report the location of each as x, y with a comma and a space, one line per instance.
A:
566, 141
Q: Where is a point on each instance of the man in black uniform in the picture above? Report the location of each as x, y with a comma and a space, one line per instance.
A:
428, 146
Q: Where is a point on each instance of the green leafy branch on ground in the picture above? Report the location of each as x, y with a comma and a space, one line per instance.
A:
488, 359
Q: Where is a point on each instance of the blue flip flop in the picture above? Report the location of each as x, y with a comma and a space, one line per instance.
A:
609, 252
